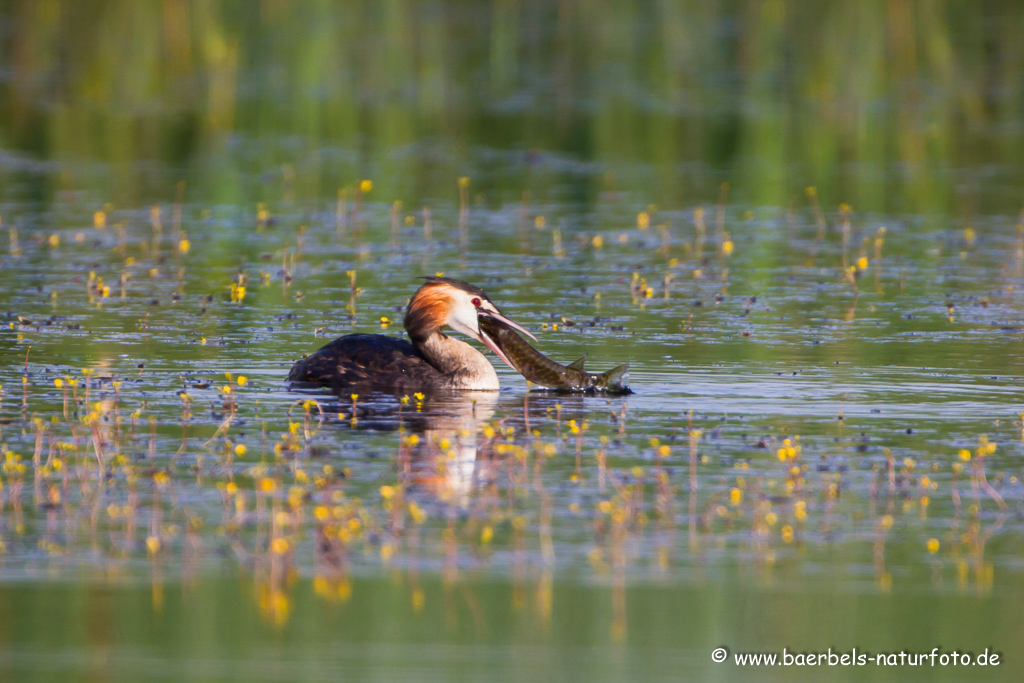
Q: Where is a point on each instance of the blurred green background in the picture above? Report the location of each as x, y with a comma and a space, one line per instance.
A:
889, 105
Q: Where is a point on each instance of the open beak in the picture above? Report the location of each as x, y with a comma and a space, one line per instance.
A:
494, 315
493, 344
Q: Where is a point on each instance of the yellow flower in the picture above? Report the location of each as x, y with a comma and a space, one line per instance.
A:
99, 220
727, 247
417, 513
279, 546
862, 263
387, 492
735, 496
242, 379
933, 545
153, 545
58, 382
486, 535
366, 186
643, 220
597, 241
964, 454
240, 449
184, 246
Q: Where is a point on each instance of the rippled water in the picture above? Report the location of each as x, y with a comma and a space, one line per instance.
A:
824, 447
789, 456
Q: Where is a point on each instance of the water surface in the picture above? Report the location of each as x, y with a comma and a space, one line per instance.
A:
824, 446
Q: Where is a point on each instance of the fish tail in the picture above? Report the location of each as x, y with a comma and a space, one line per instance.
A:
616, 379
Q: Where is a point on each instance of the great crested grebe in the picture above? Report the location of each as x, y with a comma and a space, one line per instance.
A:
432, 362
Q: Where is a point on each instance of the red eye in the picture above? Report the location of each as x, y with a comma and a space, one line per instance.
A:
476, 301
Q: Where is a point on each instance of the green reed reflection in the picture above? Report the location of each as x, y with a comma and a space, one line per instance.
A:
891, 106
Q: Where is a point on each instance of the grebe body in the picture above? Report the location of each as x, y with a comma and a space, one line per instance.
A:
433, 361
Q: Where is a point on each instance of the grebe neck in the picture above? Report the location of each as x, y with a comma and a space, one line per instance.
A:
464, 366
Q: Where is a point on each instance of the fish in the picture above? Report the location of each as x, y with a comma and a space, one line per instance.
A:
541, 370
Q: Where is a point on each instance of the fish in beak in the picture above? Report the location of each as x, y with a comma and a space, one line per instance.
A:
492, 344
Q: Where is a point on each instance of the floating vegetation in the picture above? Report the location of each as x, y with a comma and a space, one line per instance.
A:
827, 418
124, 451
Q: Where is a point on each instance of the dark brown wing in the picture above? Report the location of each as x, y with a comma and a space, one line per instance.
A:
367, 362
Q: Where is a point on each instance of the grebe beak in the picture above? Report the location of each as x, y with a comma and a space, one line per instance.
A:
492, 344
494, 315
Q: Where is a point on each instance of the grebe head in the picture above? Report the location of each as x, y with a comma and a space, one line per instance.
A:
459, 305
